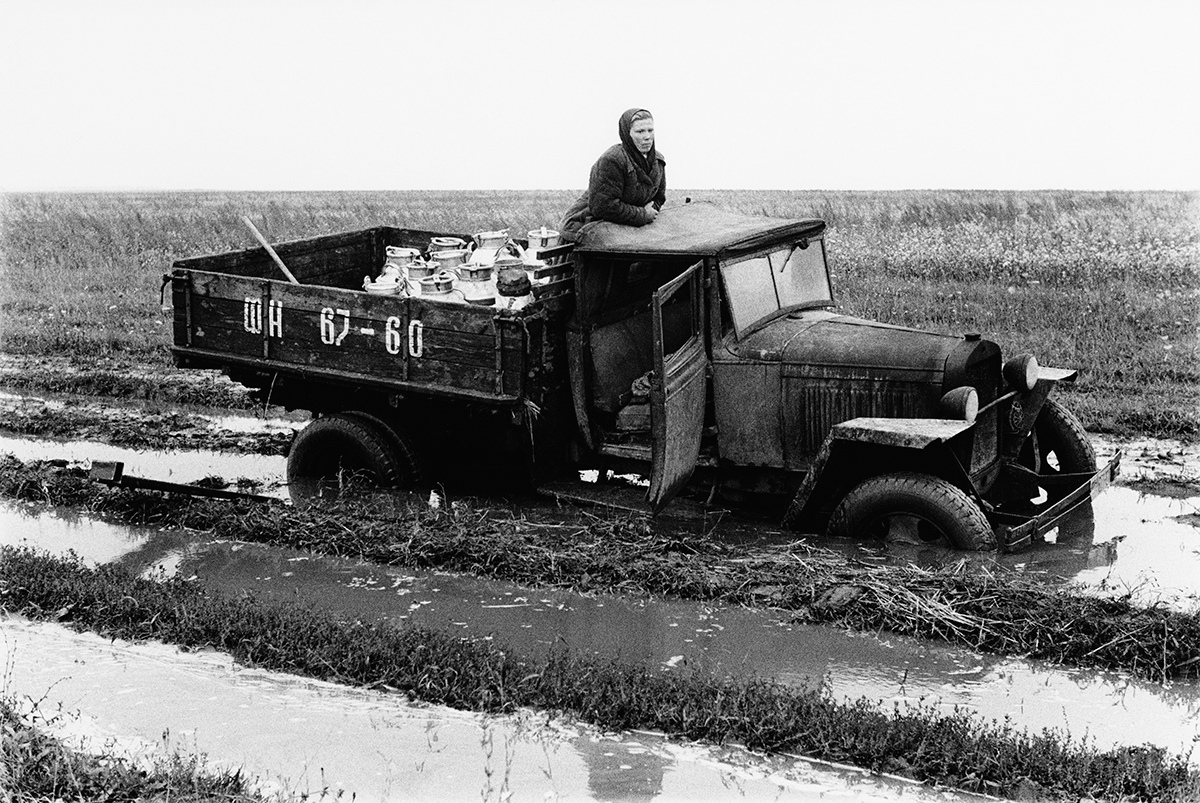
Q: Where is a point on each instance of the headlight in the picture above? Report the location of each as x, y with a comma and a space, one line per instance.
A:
1021, 372
962, 403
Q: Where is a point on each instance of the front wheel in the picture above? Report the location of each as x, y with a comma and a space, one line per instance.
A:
1058, 443
917, 508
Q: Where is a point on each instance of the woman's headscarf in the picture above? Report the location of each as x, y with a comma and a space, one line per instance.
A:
647, 163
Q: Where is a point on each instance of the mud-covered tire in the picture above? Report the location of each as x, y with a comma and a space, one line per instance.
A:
1059, 444
928, 508
343, 446
412, 467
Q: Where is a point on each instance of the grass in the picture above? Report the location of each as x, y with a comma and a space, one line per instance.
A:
1000, 613
35, 766
956, 749
1105, 282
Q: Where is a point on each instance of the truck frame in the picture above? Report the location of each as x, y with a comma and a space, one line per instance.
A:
704, 349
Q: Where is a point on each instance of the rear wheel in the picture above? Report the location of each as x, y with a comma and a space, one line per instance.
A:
915, 508
412, 469
341, 449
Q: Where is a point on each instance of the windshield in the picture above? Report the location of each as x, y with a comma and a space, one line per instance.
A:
788, 278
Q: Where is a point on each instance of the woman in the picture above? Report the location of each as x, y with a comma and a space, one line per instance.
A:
628, 184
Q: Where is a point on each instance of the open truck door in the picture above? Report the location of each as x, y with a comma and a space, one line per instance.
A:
679, 384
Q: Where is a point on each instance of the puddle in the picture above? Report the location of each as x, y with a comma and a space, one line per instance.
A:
170, 465
676, 636
302, 736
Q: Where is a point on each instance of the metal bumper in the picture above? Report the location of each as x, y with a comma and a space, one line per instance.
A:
1015, 532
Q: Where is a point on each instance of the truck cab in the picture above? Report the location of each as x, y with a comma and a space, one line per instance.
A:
758, 384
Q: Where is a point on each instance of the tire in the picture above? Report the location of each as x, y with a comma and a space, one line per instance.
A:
412, 468
1058, 444
345, 447
926, 509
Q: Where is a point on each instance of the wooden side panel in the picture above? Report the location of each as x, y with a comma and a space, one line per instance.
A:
333, 260
406, 341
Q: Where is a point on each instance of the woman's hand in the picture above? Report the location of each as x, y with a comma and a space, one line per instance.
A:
651, 211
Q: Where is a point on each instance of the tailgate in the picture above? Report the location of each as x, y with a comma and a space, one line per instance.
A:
222, 320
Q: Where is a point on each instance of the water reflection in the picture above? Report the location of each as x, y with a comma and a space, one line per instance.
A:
299, 736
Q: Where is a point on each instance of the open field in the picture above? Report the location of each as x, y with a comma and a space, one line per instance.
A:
1105, 282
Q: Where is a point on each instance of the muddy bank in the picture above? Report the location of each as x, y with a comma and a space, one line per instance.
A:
135, 425
148, 376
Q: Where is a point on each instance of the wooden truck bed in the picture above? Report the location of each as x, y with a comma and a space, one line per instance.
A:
236, 311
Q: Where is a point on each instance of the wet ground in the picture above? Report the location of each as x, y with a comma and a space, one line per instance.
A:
303, 736
1138, 542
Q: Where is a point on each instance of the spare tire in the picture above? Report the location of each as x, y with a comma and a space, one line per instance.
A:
917, 507
340, 448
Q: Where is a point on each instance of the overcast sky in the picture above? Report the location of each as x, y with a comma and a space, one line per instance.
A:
525, 94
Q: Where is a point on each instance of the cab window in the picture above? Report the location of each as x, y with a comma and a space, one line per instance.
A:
765, 285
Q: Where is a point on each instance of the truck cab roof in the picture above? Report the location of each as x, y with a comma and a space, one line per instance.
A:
696, 229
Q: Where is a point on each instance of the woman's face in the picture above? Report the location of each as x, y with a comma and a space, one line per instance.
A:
642, 134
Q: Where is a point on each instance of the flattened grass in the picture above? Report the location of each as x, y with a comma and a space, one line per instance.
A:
958, 749
1002, 613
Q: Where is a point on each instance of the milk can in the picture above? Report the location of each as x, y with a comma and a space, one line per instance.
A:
400, 256
478, 284
541, 239
513, 288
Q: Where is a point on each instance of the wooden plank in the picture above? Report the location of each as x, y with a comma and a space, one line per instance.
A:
307, 259
562, 287
462, 359
558, 252
362, 365
340, 336
331, 374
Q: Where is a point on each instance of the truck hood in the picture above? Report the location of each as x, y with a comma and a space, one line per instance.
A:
840, 345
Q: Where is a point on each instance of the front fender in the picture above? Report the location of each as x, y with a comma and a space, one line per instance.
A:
862, 447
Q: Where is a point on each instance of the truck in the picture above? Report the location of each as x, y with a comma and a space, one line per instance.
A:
703, 351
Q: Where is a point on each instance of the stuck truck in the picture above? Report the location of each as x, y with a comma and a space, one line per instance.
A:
703, 349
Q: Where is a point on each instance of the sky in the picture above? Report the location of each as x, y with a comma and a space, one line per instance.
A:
525, 94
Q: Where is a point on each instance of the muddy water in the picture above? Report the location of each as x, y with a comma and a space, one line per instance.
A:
673, 635
1142, 544
298, 736
167, 465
